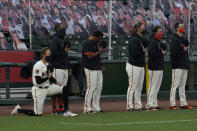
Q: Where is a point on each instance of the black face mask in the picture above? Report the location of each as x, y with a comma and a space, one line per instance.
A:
144, 32
61, 33
47, 58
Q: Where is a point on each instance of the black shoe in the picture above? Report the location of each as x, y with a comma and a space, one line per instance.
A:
140, 109
130, 110
100, 111
90, 112
61, 112
159, 108
55, 112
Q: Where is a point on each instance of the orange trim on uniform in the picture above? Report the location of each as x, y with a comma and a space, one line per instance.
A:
90, 38
88, 53
128, 99
150, 86
36, 102
88, 91
172, 85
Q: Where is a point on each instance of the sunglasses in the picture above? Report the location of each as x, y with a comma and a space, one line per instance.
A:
1, 37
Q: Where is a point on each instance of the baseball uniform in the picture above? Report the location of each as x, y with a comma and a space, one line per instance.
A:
40, 90
135, 71
180, 64
94, 76
60, 63
155, 66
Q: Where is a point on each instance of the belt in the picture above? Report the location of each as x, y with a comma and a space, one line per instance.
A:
46, 87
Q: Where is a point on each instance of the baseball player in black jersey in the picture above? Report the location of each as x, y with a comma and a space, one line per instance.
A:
156, 51
135, 67
179, 59
59, 60
93, 70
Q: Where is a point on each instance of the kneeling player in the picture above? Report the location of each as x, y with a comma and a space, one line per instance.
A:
41, 87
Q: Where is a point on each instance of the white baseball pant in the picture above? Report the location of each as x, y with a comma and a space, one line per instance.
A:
155, 79
136, 79
179, 78
40, 94
93, 92
61, 76
54, 90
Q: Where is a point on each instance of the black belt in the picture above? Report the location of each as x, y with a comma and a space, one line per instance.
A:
46, 87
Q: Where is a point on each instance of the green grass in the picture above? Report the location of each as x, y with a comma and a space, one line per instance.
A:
126, 120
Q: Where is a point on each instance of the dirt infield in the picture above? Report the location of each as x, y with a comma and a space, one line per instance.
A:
116, 105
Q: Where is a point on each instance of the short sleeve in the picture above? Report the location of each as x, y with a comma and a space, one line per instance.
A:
37, 71
87, 47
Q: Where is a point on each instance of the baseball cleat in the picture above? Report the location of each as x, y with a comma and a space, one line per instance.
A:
130, 110
15, 110
68, 113
61, 111
186, 107
56, 112
90, 112
173, 108
100, 111
139, 109
159, 108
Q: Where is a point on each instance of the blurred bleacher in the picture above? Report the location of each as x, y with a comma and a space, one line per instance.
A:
119, 45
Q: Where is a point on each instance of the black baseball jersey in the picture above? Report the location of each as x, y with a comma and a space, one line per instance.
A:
59, 58
93, 63
179, 58
156, 57
136, 53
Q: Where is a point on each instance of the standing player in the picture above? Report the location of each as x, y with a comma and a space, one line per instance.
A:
180, 65
135, 68
59, 61
59, 36
41, 88
93, 70
155, 65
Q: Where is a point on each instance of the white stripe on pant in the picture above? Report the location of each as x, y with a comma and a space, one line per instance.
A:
155, 79
179, 78
94, 87
136, 79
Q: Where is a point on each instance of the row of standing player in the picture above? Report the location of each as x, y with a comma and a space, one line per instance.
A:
134, 67
179, 60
